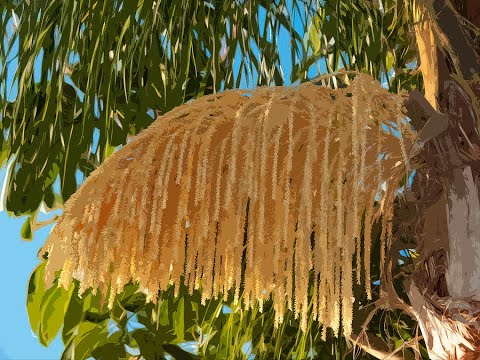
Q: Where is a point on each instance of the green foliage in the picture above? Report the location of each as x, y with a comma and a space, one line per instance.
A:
184, 329
109, 67
46, 307
375, 39
36, 290
26, 231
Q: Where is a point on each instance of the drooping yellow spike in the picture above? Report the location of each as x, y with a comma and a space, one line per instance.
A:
275, 183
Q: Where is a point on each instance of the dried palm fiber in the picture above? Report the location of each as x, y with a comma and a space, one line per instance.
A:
171, 206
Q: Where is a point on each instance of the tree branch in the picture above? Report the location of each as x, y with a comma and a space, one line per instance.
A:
373, 346
424, 116
40, 224
448, 20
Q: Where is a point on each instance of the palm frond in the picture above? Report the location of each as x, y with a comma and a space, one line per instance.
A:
94, 71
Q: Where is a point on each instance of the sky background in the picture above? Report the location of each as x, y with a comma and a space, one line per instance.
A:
17, 341
19, 259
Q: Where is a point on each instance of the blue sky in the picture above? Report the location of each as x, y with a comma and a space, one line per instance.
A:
19, 259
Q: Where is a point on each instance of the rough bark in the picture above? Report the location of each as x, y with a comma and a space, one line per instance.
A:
463, 209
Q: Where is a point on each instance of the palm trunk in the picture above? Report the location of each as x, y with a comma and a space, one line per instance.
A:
445, 291
463, 215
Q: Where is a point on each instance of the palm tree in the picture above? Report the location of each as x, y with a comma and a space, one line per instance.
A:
110, 67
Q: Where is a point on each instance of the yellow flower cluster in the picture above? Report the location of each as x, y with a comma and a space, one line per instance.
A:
250, 192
